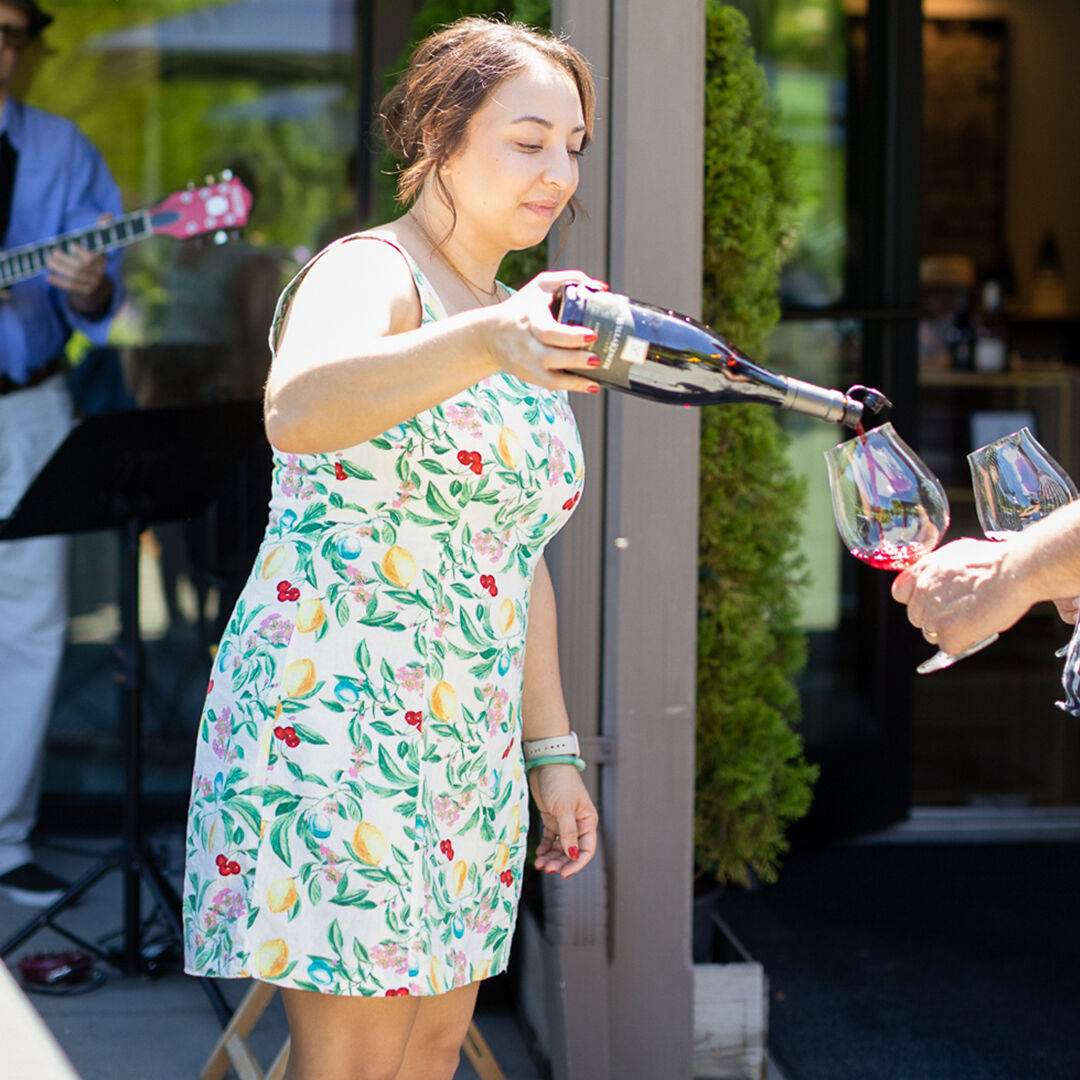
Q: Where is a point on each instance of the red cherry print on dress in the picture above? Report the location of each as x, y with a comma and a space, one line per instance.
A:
476, 463
283, 588
507, 877
210, 688
221, 860
464, 457
293, 594
509, 747
279, 733
339, 471
223, 866
447, 849
415, 719
571, 502
234, 868
401, 991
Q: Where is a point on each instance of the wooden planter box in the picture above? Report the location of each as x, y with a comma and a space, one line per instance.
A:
731, 1012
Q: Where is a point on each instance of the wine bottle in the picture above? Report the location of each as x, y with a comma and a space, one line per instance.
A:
665, 356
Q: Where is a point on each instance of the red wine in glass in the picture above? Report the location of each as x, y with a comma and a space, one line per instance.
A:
890, 509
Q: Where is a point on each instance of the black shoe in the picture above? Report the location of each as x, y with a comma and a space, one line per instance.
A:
32, 886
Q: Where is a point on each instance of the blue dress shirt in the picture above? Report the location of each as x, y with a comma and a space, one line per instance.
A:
61, 184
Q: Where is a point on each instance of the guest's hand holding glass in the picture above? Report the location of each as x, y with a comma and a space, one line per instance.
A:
890, 511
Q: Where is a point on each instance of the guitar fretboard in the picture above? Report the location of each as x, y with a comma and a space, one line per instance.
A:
28, 261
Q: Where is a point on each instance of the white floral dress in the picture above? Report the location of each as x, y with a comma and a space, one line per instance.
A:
359, 810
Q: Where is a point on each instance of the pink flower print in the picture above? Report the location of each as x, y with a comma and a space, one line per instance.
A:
460, 967
227, 903
497, 700
359, 585
442, 616
222, 742
447, 810
294, 480
391, 956
556, 461
479, 920
489, 545
410, 678
330, 865
356, 762
405, 493
465, 418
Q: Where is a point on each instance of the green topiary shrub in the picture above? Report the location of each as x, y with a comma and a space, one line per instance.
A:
752, 780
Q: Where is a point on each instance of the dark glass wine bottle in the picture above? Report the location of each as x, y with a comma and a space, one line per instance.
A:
665, 356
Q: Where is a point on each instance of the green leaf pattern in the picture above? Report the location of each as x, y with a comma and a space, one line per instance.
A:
358, 811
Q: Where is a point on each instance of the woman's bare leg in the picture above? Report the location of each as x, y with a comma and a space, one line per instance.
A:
360, 1038
434, 1047
346, 1038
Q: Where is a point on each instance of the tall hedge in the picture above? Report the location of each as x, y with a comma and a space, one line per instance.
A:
752, 779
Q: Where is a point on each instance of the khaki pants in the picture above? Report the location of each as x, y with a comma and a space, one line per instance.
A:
33, 610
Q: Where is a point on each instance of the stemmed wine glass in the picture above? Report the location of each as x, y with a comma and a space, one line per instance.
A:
1017, 482
890, 509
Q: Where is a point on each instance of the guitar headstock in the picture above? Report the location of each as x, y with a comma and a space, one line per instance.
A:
220, 204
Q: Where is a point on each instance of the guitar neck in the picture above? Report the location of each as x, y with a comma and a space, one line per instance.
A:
22, 263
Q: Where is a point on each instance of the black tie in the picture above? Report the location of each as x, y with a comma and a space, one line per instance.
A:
8, 158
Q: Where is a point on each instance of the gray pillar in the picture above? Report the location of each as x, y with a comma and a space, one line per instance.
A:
627, 575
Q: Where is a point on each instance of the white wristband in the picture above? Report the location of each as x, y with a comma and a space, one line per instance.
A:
557, 744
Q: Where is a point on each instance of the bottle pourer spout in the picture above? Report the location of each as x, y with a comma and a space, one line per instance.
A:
876, 407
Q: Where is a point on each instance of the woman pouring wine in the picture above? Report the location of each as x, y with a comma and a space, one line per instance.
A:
389, 677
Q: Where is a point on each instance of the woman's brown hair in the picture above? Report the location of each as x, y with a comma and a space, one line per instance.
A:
449, 77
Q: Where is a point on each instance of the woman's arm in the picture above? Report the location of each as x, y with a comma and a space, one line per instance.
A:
568, 814
353, 359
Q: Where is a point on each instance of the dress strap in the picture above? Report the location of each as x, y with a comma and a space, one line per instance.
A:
430, 304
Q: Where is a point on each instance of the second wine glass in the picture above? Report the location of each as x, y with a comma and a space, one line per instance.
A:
1017, 482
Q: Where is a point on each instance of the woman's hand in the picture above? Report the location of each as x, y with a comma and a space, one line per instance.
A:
525, 339
569, 818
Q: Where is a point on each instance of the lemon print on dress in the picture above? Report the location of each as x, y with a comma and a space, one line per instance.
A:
281, 896
310, 615
436, 975
458, 876
274, 561
509, 447
272, 958
443, 701
502, 858
399, 566
369, 843
298, 678
507, 616
514, 827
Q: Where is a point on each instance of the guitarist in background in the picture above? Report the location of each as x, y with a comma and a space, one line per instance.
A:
52, 180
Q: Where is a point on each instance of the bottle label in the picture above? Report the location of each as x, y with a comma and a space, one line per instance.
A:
610, 315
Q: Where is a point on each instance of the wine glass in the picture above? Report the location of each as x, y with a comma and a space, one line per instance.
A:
890, 510
1017, 482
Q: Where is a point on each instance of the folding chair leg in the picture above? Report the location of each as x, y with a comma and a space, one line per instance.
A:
243, 1020
480, 1056
277, 1070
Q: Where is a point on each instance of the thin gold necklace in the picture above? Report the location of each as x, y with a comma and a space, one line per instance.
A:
467, 282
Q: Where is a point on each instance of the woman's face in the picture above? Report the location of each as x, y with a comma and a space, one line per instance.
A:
518, 165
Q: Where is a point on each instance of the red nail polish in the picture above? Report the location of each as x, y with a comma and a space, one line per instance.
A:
573, 853
593, 361
590, 336
594, 389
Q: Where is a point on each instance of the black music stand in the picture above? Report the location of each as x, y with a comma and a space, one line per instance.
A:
126, 471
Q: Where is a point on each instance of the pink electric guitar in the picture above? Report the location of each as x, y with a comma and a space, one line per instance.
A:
220, 205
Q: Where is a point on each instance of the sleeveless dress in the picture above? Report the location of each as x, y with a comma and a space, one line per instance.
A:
359, 811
